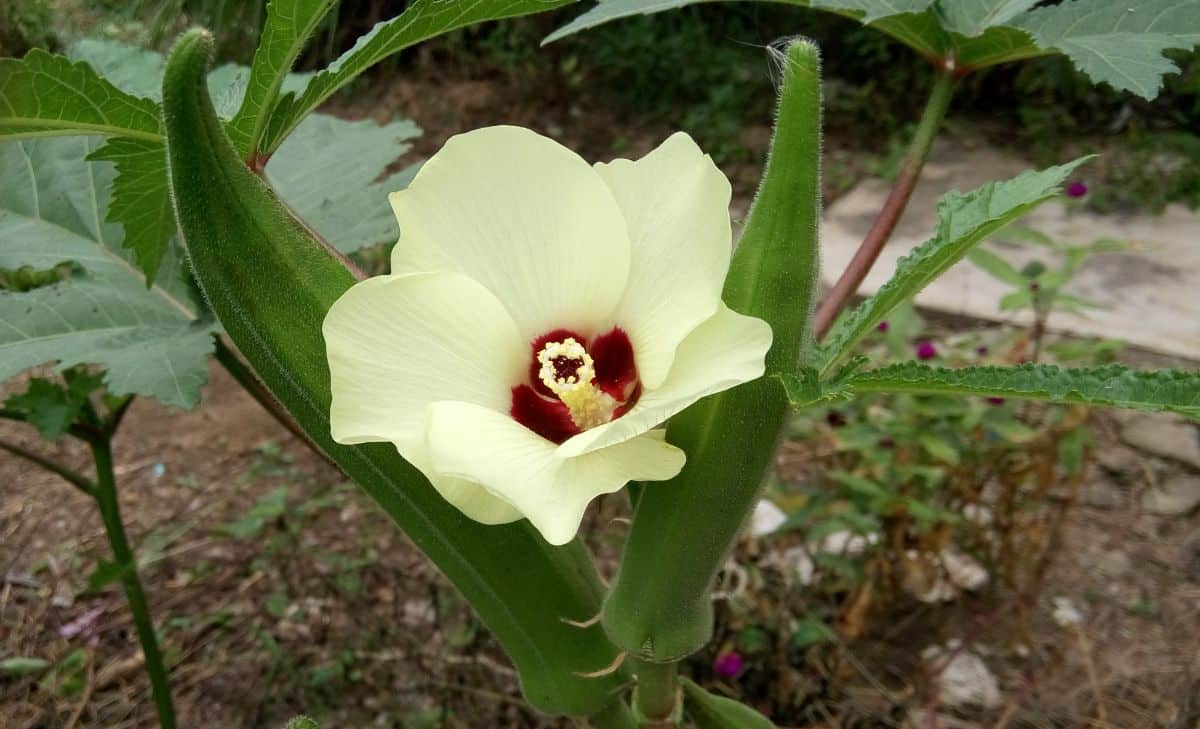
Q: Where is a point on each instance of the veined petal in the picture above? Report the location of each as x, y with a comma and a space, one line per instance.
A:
471, 442
397, 343
676, 206
526, 217
726, 350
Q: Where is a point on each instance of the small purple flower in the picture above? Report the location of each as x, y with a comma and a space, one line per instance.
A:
926, 350
882, 326
729, 665
981, 350
1077, 189
996, 401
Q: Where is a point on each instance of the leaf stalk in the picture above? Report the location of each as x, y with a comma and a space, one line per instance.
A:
897, 200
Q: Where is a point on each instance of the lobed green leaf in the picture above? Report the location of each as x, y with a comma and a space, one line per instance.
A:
919, 30
963, 221
152, 341
140, 200
333, 174
972, 18
46, 95
1113, 41
1117, 42
46, 406
1111, 385
869, 11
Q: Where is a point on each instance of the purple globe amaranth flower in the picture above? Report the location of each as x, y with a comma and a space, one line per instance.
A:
729, 665
882, 326
1077, 189
926, 350
996, 401
981, 350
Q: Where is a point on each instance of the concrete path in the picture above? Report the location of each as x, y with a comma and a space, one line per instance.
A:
1151, 291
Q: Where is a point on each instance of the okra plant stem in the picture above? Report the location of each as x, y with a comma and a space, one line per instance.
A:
106, 498
657, 695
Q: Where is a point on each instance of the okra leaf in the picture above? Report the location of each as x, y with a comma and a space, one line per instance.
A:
151, 341
1111, 385
140, 201
1117, 42
45, 95
963, 221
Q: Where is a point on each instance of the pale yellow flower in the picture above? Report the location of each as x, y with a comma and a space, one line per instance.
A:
543, 316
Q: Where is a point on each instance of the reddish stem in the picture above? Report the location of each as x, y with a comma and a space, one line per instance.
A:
897, 200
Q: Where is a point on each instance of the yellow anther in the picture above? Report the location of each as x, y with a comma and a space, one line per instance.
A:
568, 370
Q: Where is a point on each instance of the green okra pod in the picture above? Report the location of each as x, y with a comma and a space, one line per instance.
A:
659, 608
271, 282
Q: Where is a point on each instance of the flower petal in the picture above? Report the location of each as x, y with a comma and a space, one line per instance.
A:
676, 205
726, 350
471, 442
526, 217
470, 498
397, 343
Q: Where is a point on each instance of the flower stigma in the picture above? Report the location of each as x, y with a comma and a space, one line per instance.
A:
569, 372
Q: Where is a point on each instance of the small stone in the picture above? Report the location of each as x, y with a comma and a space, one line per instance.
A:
964, 681
1119, 459
766, 518
1178, 495
1101, 494
1164, 437
1113, 563
798, 564
963, 569
845, 542
977, 514
1065, 612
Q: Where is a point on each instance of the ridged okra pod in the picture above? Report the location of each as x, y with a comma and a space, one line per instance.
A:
271, 282
659, 608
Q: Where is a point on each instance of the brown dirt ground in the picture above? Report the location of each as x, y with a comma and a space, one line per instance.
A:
327, 609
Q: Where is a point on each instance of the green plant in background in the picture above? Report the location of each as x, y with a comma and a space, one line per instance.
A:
270, 272
1038, 288
929, 494
25, 24
77, 406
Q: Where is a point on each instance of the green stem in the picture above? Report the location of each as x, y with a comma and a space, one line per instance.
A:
657, 696
71, 477
615, 715
110, 512
897, 200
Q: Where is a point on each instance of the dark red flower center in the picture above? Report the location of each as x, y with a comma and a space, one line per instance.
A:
555, 403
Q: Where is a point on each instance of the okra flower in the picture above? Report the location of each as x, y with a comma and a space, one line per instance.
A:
542, 317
